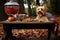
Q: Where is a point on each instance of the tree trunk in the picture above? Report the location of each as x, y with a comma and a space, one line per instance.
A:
58, 5
29, 8
21, 7
3, 15
54, 5
37, 2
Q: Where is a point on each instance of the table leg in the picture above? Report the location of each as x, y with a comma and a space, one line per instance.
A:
8, 33
49, 34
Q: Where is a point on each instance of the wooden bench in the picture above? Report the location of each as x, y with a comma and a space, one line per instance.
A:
8, 26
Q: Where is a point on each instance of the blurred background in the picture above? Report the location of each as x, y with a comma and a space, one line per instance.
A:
28, 7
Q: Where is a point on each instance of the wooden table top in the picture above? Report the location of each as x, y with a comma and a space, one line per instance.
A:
19, 22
